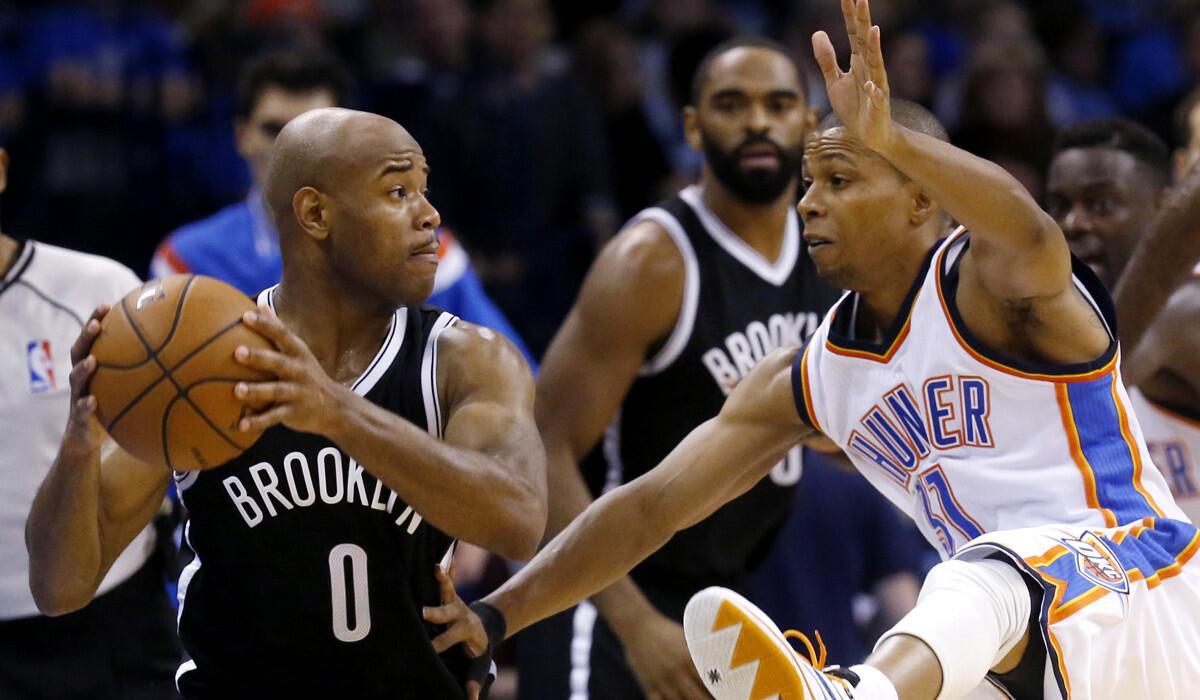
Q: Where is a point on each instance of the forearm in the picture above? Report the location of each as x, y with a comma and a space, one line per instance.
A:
63, 536
1163, 259
979, 194
595, 551
465, 493
622, 604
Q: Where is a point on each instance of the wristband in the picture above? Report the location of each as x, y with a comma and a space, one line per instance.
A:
492, 620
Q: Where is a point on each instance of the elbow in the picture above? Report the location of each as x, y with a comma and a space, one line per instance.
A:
525, 530
54, 601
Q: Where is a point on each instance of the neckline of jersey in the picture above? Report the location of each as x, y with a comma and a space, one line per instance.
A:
19, 265
775, 272
383, 357
886, 345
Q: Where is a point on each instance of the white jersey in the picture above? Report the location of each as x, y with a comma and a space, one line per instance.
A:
1174, 443
45, 297
968, 442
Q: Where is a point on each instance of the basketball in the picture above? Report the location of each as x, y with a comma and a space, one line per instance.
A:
165, 372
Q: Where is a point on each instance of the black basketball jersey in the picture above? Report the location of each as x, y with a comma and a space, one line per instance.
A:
737, 307
310, 573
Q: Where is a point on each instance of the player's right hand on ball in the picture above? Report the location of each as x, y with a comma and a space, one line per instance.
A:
84, 434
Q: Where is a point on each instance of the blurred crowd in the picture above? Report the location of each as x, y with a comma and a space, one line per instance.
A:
547, 122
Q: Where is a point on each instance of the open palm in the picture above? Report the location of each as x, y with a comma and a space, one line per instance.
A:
860, 96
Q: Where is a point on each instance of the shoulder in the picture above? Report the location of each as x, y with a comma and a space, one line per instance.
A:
79, 280
471, 356
1180, 318
643, 255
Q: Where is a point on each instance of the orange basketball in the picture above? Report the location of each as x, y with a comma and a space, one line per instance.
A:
165, 372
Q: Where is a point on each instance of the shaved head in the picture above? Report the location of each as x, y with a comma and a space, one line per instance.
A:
326, 149
348, 191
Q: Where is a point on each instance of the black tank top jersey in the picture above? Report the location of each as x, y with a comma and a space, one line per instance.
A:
310, 573
737, 308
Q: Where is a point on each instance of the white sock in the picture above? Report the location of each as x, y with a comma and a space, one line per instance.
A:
872, 684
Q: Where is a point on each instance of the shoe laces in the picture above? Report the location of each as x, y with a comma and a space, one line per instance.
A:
815, 658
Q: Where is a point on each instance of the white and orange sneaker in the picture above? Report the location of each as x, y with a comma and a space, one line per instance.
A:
741, 655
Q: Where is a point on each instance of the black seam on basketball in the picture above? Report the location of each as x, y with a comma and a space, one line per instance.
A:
167, 373
178, 313
137, 332
163, 434
176, 366
213, 380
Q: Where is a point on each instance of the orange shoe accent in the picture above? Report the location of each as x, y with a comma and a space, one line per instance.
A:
777, 674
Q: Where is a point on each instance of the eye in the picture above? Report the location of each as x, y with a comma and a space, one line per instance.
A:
837, 181
399, 192
1102, 206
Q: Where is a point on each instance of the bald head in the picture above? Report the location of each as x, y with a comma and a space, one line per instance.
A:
330, 148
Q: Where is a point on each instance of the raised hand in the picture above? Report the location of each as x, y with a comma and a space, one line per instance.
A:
859, 97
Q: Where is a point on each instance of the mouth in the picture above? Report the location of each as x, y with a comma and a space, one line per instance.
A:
815, 242
426, 252
759, 156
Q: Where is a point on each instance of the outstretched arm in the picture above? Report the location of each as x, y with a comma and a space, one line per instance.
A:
718, 461
483, 483
1163, 259
1018, 248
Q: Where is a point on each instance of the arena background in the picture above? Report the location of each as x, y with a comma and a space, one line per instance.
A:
547, 124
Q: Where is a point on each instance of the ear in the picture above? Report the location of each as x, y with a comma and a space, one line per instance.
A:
691, 128
922, 208
308, 206
3, 169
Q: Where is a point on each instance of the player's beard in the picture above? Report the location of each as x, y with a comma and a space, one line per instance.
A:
754, 185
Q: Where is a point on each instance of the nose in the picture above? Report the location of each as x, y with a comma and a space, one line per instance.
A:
428, 218
1076, 222
759, 123
809, 206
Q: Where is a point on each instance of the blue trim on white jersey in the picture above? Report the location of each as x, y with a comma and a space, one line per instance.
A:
1098, 422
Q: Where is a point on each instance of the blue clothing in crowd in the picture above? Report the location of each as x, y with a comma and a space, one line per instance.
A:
239, 245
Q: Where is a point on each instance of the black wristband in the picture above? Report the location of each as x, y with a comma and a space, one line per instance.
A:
493, 622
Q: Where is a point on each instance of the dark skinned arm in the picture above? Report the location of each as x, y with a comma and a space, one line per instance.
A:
718, 461
95, 499
628, 304
483, 483
1162, 261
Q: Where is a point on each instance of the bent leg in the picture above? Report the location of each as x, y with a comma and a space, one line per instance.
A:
971, 617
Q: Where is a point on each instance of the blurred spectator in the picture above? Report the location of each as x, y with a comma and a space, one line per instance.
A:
418, 54
239, 244
1004, 117
1079, 49
1187, 134
910, 75
607, 61
107, 78
521, 170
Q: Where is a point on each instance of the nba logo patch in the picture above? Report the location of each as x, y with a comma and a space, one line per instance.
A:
41, 366
1096, 562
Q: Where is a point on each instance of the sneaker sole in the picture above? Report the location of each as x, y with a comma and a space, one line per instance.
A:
739, 653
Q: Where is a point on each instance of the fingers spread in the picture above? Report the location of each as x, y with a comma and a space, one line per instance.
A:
452, 636
442, 614
875, 66
83, 343
449, 595
826, 57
